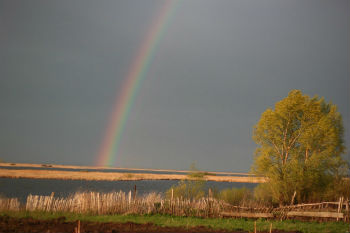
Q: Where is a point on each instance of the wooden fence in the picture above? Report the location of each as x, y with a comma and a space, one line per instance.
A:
124, 203
153, 203
315, 211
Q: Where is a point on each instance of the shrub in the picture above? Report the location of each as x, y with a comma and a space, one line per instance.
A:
128, 175
196, 174
339, 188
262, 194
188, 189
236, 196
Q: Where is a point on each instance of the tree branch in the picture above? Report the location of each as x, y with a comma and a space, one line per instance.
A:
277, 150
294, 140
285, 133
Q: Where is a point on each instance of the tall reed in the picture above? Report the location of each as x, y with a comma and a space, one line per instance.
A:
9, 204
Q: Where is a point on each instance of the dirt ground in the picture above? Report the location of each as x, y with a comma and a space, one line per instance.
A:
29, 225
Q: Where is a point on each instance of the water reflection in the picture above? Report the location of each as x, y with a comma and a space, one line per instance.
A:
20, 188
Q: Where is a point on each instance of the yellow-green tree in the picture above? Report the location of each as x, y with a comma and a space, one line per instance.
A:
300, 143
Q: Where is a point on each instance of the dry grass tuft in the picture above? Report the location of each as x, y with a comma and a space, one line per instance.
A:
9, 204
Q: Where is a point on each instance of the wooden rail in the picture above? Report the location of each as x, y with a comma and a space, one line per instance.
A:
288, 214
330, 210
318, 204
315, 214
247, 215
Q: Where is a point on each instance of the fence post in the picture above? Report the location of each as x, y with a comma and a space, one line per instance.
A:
254, 226
292, 201
340, 205
347, 210
172, 202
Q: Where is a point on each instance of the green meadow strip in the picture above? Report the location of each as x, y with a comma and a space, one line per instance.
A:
188, 222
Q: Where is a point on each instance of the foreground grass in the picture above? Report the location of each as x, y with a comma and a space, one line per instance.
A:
187, 222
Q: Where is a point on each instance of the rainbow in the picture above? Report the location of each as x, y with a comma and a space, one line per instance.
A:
137, 72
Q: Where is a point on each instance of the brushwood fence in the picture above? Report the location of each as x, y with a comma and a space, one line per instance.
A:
124, 203
128, 203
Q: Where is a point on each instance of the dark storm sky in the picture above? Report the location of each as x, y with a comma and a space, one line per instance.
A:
220, 64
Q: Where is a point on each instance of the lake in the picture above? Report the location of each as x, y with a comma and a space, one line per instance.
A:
21, 188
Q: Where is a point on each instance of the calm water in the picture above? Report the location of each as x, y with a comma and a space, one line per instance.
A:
20, 188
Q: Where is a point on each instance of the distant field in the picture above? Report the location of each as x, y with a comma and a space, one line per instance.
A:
80, 174
114, 168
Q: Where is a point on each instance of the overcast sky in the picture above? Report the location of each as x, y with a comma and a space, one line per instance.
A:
220, 64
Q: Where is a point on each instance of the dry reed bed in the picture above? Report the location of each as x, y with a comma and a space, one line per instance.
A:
113, 176
9, 204
118, 168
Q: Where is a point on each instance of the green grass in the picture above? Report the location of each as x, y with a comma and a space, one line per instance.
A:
214, 223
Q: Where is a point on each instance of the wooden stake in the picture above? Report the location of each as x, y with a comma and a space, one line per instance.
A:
172, 201
339, 206
77, 228
347, 209
292, 201
270, 227
255, 227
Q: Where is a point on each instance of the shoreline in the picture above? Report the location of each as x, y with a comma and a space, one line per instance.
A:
115, 176
111, 168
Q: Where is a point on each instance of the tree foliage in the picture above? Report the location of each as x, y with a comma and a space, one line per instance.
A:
300, 147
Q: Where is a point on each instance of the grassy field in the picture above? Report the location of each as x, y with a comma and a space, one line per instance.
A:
214, 223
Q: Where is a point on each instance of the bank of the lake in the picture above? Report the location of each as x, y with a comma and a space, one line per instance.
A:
59, 167
113, 176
